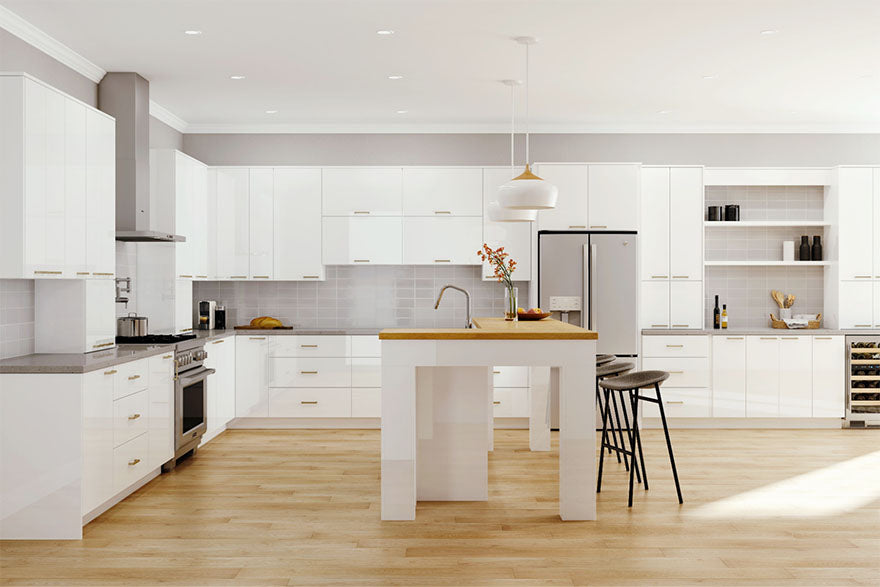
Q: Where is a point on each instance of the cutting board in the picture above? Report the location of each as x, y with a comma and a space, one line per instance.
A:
260, 328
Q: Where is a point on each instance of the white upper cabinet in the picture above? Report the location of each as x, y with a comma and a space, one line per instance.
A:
233, 226
297, 224
199, 223
857, 300
654, 221
442, 191
442, 241
101, 194
686, 223
613, 202
55, 194
572, 181
686, 304
362, 191
515, 237
261, 223
75, 200
362, 241
856, 198
654, 304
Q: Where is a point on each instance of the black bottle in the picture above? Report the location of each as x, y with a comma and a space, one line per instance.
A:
804, 253
717, 321
816, 253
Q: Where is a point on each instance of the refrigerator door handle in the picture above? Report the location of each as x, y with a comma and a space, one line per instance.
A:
585, 301
594, 314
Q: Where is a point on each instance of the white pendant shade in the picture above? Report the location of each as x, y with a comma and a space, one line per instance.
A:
528, 192
498, 214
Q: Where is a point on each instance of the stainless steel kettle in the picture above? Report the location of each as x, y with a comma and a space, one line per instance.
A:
131, 325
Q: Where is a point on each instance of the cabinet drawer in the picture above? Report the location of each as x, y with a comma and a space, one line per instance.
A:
511, 402
366, 372
675, 346
309, 402
309, 346
687, 372
130, 417
366, 403
679, 403
510, 376
130, 462
131, 378
309, 372
366, 346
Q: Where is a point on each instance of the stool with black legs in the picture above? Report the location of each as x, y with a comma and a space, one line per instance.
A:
633, 383
611, 370
603, 359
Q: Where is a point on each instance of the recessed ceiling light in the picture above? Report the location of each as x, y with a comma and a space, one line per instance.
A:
402, 111
385, 32
710, 76
664, 111
395, 77
769, 32
271, 112
236, 77
192, 32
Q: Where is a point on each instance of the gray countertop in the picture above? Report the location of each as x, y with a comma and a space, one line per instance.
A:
755, 332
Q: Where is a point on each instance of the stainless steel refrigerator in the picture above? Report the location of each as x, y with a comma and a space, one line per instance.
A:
591, 279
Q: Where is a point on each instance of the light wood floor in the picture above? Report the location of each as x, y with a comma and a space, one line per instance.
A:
302, 508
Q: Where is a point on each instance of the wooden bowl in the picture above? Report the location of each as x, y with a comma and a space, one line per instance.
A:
527, 316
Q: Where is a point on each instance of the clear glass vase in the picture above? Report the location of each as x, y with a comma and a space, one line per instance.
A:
510, 303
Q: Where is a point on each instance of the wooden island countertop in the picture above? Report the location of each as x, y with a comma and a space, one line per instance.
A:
495, 329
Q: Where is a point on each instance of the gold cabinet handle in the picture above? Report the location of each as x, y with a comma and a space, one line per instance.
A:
496, 402
111, 372
308, 372
202, 276
674, 402
102, 345
676, 372
133, 462
659, 325
789, 338
309, 403
442, 260
442, 212
735, 338
768, 338
862, 277
238, 277
308, 346
680, 276
133, 377
186, 329
659, 277
674, 346
185, 276
311, 277
167, 356
490, 277
99, 273
47, 273
681, 325
577, 225
598, 226
261, 277
257, 337
83, 273
822, 338
361, 260
496, 372
361, 211
218, 341
134, 416
862, 326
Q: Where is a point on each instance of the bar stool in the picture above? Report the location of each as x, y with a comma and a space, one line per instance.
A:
633, 382
609, 370
603, 359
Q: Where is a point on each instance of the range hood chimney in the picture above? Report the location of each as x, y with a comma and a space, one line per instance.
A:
126, 96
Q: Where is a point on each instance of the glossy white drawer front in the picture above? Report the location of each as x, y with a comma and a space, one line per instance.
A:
309, 346
309, 372
130, 462
130, 417
132, 377
366, 402
366, 372
308, 402
511, 402
675, 346
510, 376
685, 372
366, 346
679, 403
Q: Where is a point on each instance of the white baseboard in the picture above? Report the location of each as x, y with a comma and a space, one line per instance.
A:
746, 423
303, 423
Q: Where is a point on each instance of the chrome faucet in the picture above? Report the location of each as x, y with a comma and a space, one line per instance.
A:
466, 294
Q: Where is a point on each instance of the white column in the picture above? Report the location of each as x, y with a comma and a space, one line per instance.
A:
577, 436
539, 409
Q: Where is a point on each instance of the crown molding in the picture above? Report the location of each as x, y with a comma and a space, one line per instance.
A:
30, 34
159, 112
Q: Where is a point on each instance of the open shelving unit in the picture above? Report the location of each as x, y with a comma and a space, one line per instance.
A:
766, 224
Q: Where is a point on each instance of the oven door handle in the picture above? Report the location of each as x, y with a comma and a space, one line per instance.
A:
202, 373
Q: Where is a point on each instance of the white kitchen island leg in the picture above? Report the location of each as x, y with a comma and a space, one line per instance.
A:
539, 409
577, 441
398, 432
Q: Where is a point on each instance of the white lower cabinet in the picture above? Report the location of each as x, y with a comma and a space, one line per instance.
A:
795, 376
97, 422
511, 392
131, 462
366, 402
695, 402
221, 385
829, 377
762, 381
251, 376
729, 376
310, 402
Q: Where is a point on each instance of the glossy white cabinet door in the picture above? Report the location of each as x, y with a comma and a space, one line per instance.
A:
654, 229
762, 382
654, 304
515, 237
75, 188
686, 223
373, 191
856, 304
297, 225
362, 241
686, 304
613, 202
221, 384
35, 256
101, 194
161, 411
510, 402
309, 372
876, 248
306, 402
366, 372
184, 210
100, 317
856, 241
829, 377
572, 181
442, 191
729, 376
233, 226
199, 221
261, 223
56, 210
97, 437
795, 376
251, 376
183, 306
366, 402
877, 304
442, 241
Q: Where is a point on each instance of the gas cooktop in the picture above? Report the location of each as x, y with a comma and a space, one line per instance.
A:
154, 339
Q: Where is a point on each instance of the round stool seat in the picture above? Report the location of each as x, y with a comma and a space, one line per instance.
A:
602, 359
636, 380
613, 369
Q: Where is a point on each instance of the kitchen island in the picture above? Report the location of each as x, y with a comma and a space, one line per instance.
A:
437, 409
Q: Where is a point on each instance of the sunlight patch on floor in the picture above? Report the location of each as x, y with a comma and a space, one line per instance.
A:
836, 489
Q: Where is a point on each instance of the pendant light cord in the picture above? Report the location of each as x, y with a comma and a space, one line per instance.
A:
512, 122
527, 105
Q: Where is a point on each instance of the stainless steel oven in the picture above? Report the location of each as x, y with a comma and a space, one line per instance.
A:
190, 400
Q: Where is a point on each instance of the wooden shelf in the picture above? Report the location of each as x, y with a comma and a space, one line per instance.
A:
765, 223
767, 263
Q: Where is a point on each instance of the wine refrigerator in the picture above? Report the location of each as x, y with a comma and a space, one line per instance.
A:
863, 381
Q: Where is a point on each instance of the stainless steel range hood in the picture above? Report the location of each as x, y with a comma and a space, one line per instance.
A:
126, 96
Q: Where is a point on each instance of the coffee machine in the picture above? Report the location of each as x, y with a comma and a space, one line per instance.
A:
207, 315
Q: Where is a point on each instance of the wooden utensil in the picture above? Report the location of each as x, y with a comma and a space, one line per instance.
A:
778, 298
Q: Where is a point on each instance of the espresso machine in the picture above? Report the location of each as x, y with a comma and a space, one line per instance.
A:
207, 315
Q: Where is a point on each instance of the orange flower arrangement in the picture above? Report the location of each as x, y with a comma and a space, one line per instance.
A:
501, 263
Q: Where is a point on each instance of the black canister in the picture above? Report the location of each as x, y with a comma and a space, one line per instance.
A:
816, 252
804, 253
715, 213
731, 212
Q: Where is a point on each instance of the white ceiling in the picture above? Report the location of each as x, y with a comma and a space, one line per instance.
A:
601, 65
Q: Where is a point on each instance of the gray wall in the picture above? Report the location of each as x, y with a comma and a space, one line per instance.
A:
163, 136
493, 149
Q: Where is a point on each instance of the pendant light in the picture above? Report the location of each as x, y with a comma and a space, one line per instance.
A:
494, 210
527, 191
